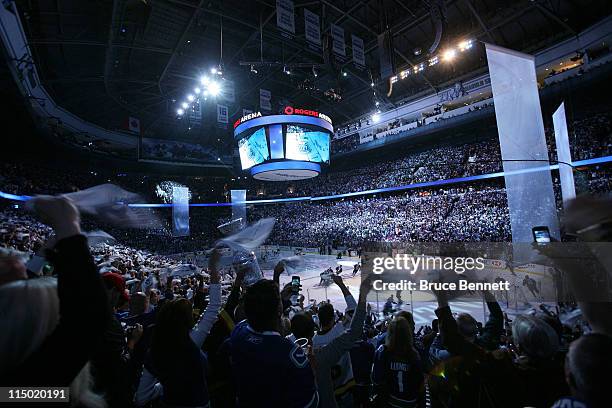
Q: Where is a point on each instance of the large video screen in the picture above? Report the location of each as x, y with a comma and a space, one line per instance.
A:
253, 149
307, 145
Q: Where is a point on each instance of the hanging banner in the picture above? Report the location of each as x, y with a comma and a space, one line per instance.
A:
222, 114
385, 55
285, 17
180, 211
228, 93
524, 153
338, 45
194, 114
246, 111
564, 155
312, 27
265, 97
358, 51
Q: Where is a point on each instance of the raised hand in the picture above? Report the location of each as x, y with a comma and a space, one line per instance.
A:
59, 213
337, 280
366, 286
213, 266
279, 268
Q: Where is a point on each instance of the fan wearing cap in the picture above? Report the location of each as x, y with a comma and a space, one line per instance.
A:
112, 365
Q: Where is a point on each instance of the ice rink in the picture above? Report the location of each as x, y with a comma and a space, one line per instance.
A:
421, 304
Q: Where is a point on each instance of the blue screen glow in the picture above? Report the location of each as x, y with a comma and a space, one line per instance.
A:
253, 149
306, 145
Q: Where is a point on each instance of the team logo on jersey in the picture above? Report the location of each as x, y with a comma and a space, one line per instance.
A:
254, 339
298, 356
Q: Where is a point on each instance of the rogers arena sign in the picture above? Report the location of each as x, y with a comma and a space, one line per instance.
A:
247, 117
290, 110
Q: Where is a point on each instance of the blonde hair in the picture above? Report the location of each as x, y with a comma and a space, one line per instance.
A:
29, 314
399, 341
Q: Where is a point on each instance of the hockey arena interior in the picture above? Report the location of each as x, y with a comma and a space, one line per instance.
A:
373, 203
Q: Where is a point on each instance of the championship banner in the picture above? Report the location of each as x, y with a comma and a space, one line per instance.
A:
222, 114
338, 45
265, 97
564, 155
312, 27
194, 114
228, 93
246, 111
358, 51
285, 17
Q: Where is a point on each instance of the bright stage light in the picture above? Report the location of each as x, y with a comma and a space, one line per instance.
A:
344, 74
376, 117
180, 111
213, 70
190, 98
465, 45
204, 80
214, 88
449, 55
197, 91
185, 105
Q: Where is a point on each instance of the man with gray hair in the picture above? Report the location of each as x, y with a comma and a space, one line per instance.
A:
586, 371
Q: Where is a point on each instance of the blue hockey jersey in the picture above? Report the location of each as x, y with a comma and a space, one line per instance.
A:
402, 382
270, 371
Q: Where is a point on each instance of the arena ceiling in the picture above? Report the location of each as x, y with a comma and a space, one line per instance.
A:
106, 60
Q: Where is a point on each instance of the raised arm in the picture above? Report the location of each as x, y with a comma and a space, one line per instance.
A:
494, 326
82, 300
331, 353
278, 271
582, 263
208, 317
348, 297
453, 341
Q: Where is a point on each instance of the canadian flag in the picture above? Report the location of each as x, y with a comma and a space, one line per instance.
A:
133, 125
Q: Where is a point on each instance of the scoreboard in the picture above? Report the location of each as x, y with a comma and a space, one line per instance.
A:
291, 146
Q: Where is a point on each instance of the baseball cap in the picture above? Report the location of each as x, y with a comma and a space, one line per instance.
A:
114, 280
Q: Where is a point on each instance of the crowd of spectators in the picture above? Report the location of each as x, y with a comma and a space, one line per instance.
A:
436, 163
591, 137
347, 143
118, 328
171, 150
438, 215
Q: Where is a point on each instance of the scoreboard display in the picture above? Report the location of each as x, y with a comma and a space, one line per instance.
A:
292, 146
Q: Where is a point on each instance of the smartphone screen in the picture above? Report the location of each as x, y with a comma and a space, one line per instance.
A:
295, 284
541, 234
